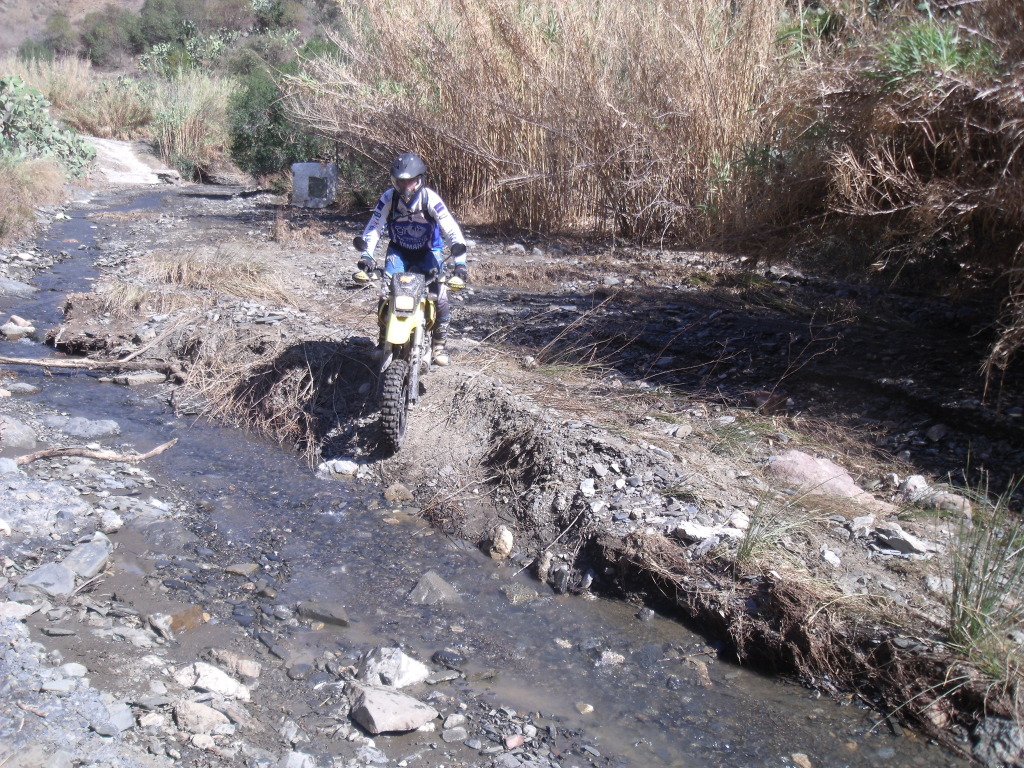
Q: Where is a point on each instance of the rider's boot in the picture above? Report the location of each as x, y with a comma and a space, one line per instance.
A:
378, 352
438, 352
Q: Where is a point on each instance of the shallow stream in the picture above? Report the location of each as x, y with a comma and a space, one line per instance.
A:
341, 542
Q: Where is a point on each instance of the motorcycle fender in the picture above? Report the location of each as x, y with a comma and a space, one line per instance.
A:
400, 328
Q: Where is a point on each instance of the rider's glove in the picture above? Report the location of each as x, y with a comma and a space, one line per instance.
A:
462, 272
366, 263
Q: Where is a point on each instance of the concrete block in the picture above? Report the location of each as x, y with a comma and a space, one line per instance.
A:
314, 185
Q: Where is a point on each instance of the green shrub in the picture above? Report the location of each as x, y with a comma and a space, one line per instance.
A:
110, 35
33, 50
28, 131
162, 21
58, 34
263, 139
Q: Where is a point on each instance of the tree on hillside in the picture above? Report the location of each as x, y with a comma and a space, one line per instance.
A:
110, 35
58, 34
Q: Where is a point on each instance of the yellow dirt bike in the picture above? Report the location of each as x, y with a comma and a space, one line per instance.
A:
407, 313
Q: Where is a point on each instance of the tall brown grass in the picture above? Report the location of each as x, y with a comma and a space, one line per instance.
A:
86, 100
25, 185
552, 115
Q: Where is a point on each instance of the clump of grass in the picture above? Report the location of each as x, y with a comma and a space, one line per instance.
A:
118, 109
770, 524
987, 601
190, 127
223, 269
120, 298
65, 82
929, 48
25, 185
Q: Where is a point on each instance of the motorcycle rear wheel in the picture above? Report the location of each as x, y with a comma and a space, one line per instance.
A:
394, 405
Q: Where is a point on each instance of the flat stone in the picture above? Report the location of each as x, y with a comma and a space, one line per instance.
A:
517, 593
52, 579
10, 287
16, 434
88, 559
892, 536
431, 589
205, 677
194, 717
139, 378
327, 612
381, 710
242, 569
16, 611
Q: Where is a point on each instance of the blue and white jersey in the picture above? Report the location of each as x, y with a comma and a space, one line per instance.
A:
425, 222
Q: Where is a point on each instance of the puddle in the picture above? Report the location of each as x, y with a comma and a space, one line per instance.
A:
343, 543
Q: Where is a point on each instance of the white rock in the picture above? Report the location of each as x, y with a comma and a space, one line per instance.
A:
297, 760
690, 531
16, 611
206, 677
740, 520
392, 668
831, 558
194, 717
343, 467
912, 489
501, 543
587, 488
380, 710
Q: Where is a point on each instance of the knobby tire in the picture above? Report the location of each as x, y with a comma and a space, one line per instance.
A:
394, 404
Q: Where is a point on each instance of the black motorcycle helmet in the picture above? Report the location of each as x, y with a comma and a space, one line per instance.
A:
407, 174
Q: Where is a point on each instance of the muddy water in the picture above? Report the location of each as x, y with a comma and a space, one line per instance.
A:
652, 705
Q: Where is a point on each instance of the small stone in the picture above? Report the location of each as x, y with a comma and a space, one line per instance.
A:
501, 543
397, 493
800, 760
583, 708
450, 735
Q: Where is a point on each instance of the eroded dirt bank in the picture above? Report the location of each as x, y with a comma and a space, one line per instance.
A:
618, 412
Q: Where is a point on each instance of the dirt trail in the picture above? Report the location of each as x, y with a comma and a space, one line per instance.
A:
618, 412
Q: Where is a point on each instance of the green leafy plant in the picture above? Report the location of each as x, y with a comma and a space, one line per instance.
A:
27, 130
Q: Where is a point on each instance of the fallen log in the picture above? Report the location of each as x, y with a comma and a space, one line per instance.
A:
89, 453
87, 364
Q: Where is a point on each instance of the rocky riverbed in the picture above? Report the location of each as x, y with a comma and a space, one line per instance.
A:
614, 423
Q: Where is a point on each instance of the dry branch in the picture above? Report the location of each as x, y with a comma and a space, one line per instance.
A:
89, 365
81, 450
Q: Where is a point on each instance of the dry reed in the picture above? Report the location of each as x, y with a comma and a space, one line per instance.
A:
556, 115
25, 186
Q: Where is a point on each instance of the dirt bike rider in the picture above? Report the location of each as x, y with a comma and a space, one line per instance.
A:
419, 225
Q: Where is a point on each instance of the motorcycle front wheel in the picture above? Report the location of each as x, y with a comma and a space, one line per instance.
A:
394, 404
